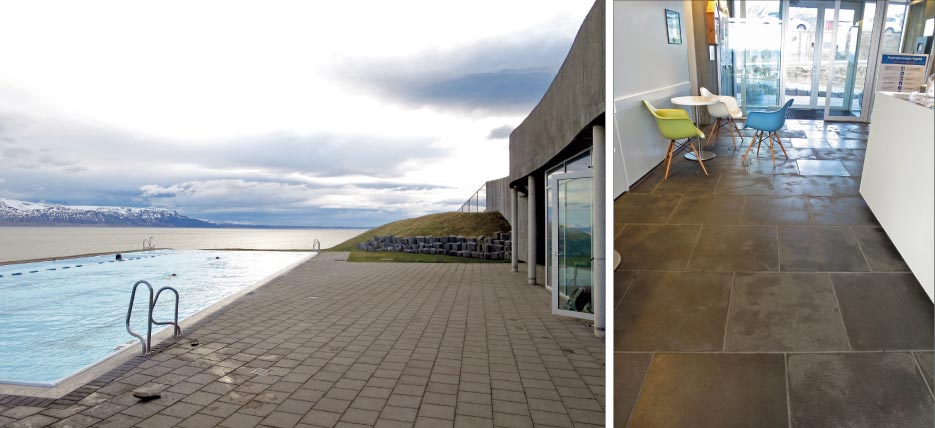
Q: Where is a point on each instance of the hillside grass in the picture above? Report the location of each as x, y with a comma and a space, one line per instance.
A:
443, 224
393, 257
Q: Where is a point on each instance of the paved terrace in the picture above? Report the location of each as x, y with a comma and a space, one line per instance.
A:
764, 296
358, 344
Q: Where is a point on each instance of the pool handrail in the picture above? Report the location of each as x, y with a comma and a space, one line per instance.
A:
149, 326
316, 246
176, 331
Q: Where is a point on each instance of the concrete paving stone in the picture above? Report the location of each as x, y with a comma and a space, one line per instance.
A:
507, 420
159, 421
76, 421
241, 420
281, 420
396, 413
858, 390
119, 421
200, 421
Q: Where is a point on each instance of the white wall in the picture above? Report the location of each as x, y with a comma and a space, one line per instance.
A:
645, 67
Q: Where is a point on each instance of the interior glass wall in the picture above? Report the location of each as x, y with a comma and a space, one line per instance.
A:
819, 53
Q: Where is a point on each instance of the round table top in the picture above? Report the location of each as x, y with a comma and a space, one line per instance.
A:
695, 100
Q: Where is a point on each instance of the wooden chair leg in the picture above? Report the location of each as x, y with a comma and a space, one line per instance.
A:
734, 123
780, 145
752, 142
698, 155
730, 130
772, 153
715, 131
669, 158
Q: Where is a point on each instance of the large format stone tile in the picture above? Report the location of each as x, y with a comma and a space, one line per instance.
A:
622, 280
885, 311
821, 167
629, 371
713, 391
797, 185
686, 180
879, 251
708, 210
773, 312
736, 184
771, 210
858, 390
645, 207
656, 247
841, 211
736, 248
819, 249
673, 311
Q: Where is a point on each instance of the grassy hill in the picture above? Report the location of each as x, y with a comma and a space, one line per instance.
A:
443, 224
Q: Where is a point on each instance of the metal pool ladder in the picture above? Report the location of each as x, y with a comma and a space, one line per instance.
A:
147, 342
316, 246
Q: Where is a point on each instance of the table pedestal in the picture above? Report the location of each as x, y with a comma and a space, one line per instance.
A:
705, 155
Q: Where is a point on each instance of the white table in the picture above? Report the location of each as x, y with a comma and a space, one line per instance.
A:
696, 101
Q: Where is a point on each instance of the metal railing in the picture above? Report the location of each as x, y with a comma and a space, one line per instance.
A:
148, 244
147, 342
316, 246
477, 203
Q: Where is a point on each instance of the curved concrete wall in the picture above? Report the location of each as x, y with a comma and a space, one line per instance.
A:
574, 100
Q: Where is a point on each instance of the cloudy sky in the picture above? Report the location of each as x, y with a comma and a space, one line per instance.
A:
270, 112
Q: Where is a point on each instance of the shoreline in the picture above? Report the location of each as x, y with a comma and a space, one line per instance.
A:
78, 256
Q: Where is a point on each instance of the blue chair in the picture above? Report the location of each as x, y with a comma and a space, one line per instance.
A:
768, 122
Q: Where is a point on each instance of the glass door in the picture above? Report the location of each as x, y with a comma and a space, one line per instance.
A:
802, 51
571, 202
852, 58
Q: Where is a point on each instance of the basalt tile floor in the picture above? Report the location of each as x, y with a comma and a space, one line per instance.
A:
333, 343
767, 296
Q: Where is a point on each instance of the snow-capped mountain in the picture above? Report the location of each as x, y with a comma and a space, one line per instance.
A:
21, 213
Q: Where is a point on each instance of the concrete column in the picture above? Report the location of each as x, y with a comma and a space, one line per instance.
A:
599, 227
531, 229
514, 220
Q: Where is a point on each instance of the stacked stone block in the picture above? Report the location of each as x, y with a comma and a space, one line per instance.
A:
497, 247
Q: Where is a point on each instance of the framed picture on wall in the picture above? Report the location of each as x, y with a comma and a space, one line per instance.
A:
673, 27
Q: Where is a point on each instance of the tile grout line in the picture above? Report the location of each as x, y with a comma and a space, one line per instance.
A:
694, 247
639, 393
730, 298
834, 293
785, 359
861, 248
922, 373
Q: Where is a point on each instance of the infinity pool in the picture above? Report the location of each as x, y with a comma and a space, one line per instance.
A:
59, 317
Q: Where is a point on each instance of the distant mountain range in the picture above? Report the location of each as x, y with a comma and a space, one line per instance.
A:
21, 213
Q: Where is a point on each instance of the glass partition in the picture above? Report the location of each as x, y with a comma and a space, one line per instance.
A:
754, 45
571, 240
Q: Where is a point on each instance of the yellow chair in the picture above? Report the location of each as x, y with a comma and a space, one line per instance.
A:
675, 124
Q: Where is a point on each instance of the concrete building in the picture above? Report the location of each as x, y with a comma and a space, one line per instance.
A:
554, 195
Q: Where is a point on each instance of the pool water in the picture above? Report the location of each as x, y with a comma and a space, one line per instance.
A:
59, 317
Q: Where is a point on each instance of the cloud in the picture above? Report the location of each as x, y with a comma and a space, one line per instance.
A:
491, 76
500, 132
294, 203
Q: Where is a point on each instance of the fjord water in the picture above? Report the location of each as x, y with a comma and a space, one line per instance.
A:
60, 316
29, 243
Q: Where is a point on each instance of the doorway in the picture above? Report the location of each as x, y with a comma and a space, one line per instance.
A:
825, 55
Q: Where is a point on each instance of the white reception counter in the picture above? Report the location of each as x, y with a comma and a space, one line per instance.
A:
899, 179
